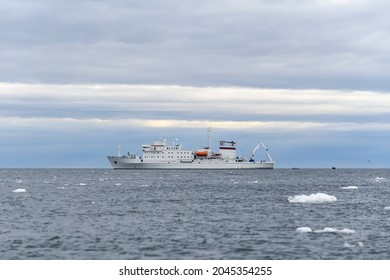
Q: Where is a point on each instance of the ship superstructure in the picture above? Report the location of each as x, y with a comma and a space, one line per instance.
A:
161, 155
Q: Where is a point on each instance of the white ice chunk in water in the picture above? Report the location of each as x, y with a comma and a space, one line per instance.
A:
313, 198
19, 190
335, 230
387, 208
350, 188
350, 245
378, 180
303, 229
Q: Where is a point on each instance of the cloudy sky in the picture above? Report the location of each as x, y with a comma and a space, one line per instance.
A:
308, 78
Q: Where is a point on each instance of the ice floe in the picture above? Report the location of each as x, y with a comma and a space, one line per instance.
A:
325, 230
19, 190
304, 229
313, 198
335, 230
379, 180
387, 208
351, 245
82, 184
350, 188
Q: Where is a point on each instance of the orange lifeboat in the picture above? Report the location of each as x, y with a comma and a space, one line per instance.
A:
201, 153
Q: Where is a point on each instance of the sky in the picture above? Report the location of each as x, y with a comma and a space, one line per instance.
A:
308, 78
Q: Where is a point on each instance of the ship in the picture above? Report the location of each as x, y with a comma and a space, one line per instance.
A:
161, 155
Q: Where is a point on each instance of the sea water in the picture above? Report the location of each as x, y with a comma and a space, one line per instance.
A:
187, 214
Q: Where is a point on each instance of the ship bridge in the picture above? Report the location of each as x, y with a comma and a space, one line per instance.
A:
227, 149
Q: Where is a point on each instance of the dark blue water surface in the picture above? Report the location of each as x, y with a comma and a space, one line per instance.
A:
152, 214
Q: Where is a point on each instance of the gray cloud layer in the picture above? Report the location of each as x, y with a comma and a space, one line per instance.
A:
220, 57
281, 44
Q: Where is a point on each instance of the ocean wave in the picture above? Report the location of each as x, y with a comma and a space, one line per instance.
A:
313, 198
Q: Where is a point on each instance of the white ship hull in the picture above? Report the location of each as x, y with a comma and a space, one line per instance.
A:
126, 163
160, 155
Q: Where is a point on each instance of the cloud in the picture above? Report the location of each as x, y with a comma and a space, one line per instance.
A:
267, 44
193, 107
304, 73
187, 103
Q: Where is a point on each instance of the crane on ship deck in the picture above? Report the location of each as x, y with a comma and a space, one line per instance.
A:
252, 159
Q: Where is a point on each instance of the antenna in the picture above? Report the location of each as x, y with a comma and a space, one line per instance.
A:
119, 150
209, 136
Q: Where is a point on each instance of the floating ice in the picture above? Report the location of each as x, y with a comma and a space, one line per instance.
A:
118, 184
335, 230
325, 230
19, 190
304, 229
350, 245
313, 198
387, 208
145, 185
350, 188
19, 181
378, 180
82, 184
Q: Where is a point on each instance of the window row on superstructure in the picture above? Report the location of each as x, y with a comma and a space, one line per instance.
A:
167, 157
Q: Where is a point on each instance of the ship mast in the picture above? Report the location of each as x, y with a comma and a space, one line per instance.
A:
119, 150
209, 139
